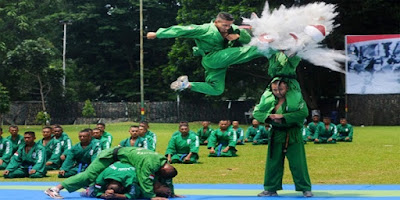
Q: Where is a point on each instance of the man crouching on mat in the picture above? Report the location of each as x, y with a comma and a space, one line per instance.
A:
149, 165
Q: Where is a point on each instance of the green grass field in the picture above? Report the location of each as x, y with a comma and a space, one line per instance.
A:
372, 158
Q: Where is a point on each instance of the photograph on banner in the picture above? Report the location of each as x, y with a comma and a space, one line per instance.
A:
373, 66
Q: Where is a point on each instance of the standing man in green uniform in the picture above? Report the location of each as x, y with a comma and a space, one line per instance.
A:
15, 138
217, 43
106, 134
104, 142
222, 141
253, 130
53, 149
65, 141
312, 127
239, 133
150, 136
286, 139
204, 132
5, 151
80, 156
135, 140
149, 167
345, 131
28, 161
184, 147
326, 132
262, 137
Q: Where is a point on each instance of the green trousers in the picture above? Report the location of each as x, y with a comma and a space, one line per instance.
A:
23, 172
261, 141
297, 164
178, 158
219, 153
343, 139
216, 64
323, 140
3, 166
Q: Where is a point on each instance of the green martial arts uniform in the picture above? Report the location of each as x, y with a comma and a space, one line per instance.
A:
65, 143
239, 135
323, 134
253, 131
178, 133
151, 140
289, 129
344, 131
104, 143
21, 162
146, 162
5, 152
262, 136
220, 140
305, 132
218, 53
204, 134
108, 136
179, 147
77, 159
140, 142
53, 153
312, 127
19, 141
123, 173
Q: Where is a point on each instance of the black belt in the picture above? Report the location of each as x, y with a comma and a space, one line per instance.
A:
115, 154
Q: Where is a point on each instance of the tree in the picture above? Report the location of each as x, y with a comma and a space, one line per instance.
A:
4, 102
88, 110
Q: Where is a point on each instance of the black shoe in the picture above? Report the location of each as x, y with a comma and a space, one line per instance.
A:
268, 194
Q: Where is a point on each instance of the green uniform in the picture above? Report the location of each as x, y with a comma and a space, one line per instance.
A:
204, 134
239, 135
108, 136
151, 140
53, 153
21, 162
178, 133
123, 173
253, 131
140, 142
146, 162
218, 53
65, 143
5, 152
305, 132
179, 147
344, 131
104, 143
323, 134
220, 140
77, 159
290, 127
19, 141
262, 136
312, 127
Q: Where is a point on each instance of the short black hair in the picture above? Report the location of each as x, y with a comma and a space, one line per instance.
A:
100, 123
13, 126
144, 122
225, 16
47, 127
134, 126
30, 133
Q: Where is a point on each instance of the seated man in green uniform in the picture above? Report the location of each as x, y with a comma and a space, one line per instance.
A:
65, 141
106, 134
150, 136
262, 136
345, 131
312, 127
28, 161
184, 147
104, 142
5, 151
135, 140
220, 45
80, 156
239, 133
253, 130
53, 149
326, 132
186, 123
222, 142
16, 139
204, 132
149, 165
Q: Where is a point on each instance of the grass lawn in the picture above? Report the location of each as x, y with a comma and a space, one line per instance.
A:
372, 158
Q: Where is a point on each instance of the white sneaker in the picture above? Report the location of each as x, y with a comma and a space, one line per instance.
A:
180, 84
53, 193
